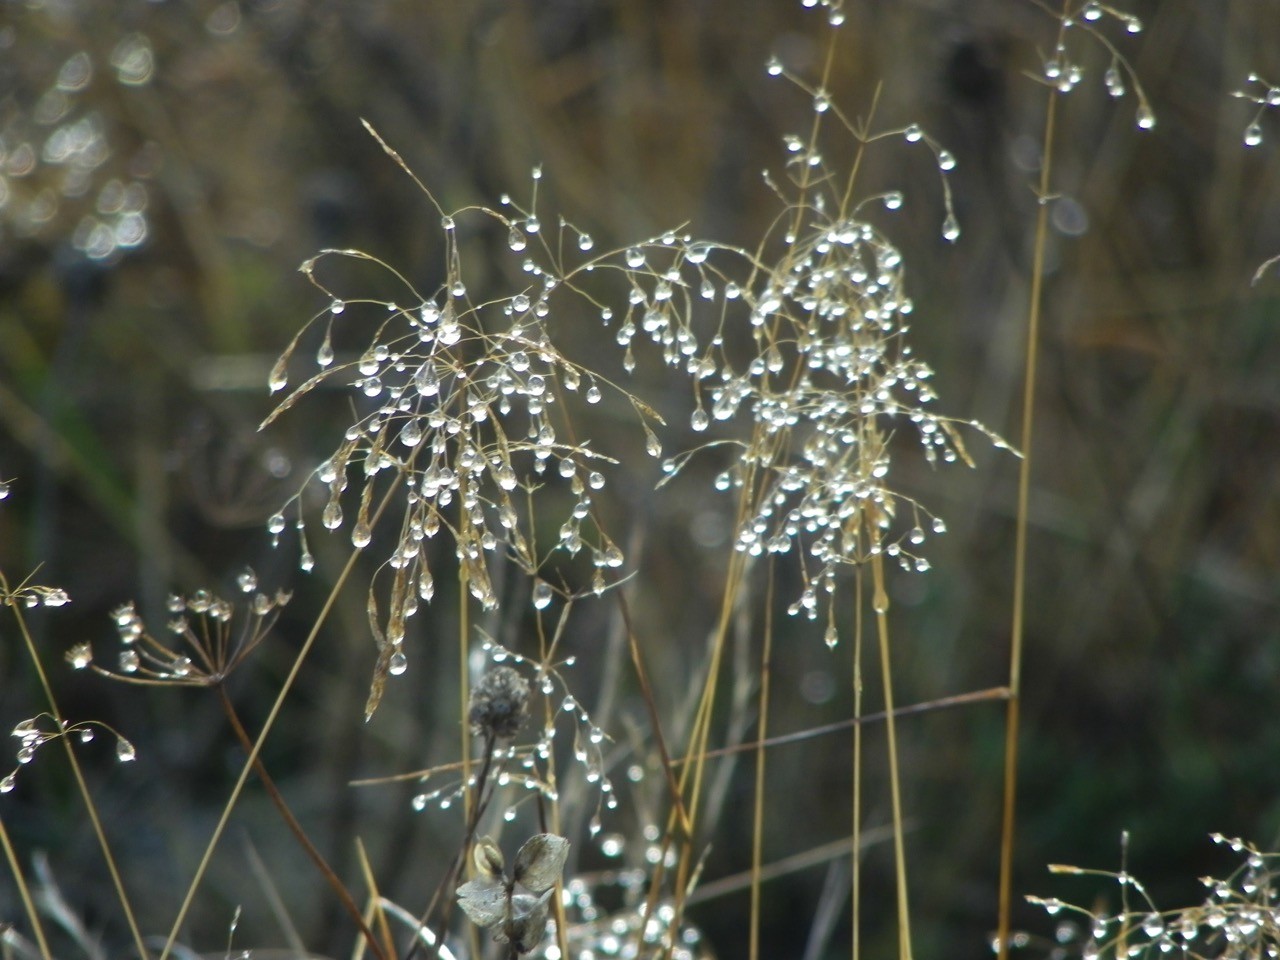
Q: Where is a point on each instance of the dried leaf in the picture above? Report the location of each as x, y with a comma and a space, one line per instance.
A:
540, 860
483, 900
380, 672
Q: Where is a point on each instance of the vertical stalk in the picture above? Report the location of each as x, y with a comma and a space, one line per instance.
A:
757, 826
855, 865
1012, 708
880, 602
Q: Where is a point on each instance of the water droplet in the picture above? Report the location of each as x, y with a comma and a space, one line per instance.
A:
1092, 10
8, 783
332, 516
831, 637
951, 228
773, 67
398, 664
337, 307
542, 594
635, 258
593, 394
913, 133
4, 489
361, 535
699, 421
125, 751
306, 562
324, 356
946, 161
893, 200
1253, 134
516, 239
585, 242
1146, 117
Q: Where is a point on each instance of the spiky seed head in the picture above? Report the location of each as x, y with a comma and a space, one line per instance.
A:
499, 703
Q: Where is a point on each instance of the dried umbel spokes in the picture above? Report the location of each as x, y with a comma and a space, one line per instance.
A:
43, 728
514, 907
499, 704
1237, 919
207, 638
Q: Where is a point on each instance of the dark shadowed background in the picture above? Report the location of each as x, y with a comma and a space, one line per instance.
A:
166, 166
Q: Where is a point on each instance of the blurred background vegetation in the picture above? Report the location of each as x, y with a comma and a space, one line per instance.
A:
165, 167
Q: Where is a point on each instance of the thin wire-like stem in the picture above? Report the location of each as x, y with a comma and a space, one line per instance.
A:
81, 785
1012, 709
757, 825
267, 727
24, 892
880, 602
855, 863
316, 857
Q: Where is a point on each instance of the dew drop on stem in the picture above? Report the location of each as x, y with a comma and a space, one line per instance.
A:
398, 664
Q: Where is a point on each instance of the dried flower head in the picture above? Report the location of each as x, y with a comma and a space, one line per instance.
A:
515, 907
499, 703
810, 356
463, 407
208, 638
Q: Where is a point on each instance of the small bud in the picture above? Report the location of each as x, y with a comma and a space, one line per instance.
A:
488, 858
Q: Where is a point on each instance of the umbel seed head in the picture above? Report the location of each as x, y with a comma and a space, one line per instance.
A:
499, 702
